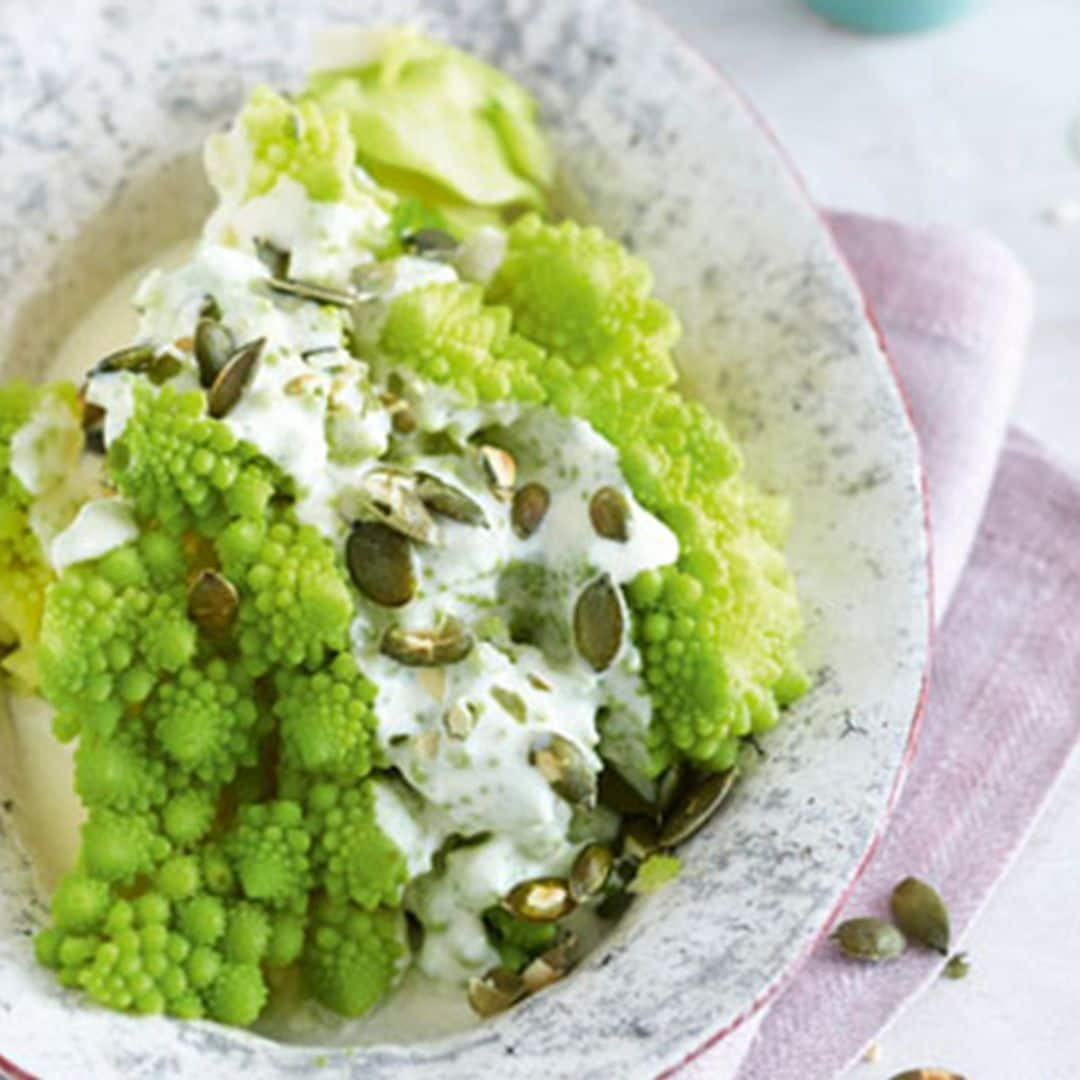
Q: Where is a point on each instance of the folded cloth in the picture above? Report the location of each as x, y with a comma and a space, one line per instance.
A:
1004, 708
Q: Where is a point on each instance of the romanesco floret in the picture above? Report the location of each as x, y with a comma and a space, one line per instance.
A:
352, 957
354, 859
582, 296
269, 846
24, 573
444, 333
181, 468
295, 603
110, 628
207, 721
120, 770
327, 722
119, 847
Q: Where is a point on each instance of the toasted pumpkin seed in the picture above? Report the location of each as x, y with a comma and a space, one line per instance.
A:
590, 871
695, 806
449, 643
401, 413
511, 702
309, 290
564, 766
389, 496
443, 498
500, 468
380, 563
609, 512
545, 899
214, 345
210, 308
669, 787
928, 1074
551, 965
272, 257
599, 622
138, 359
93, 425
618, 794
212, 603
460, 719
921, 914
496, 991
432, 243
640, 838
869, 939
529, 508
233, 379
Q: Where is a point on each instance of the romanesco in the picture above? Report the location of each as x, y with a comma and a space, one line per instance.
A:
352, 957
269, 845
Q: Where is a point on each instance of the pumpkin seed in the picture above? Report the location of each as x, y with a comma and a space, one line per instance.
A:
695, 806
389, 496
928, 1074
640, 838
446, 644
958, 966
566, 769
212, 604
590, 871
309, 290
272, 257
529, 508
609, 513
599, 623
214, 345
432, 243
545, 899
500, 468
511, 702
869, 939
443, 498
551, 965
138, 359
921, 914
617, 793
93, 426
496, 992
671, 784
380, 563
210, 308
233, 379
402, 416
460, 719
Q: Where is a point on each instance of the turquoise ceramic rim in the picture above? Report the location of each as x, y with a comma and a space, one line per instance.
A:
892, 16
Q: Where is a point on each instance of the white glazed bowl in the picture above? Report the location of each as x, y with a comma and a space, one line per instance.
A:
101, 111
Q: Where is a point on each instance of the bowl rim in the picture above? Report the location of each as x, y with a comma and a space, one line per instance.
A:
772, 991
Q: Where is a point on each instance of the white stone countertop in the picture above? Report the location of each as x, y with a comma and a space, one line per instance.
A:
977, 124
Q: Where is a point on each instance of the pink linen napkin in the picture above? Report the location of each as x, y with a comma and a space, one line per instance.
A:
1004, 708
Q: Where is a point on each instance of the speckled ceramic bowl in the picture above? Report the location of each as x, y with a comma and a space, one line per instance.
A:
99, 113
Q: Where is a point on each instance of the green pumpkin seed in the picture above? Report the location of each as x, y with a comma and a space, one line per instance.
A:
500, 468
609, 512
511, 702
380, 563
529, 508
591, 871
958, 966
214, 345
599, 623
389, 496
309, 290
212, 604
614, 905
697, 803
443, 498
233, 379
869, 939
273, 258
618, 794
496, 991
565, 767
432, 243
552, 965
138, 359
640, 838
540, 900
921, 914
449, 643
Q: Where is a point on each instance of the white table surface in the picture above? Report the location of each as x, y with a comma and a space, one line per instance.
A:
976, 125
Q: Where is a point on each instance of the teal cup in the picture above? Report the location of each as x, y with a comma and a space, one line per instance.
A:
892, 16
